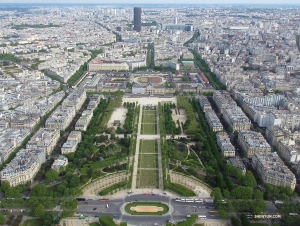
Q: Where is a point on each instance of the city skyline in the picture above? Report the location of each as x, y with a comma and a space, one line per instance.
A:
137, 2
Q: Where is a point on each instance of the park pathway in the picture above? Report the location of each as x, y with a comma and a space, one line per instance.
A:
137, 150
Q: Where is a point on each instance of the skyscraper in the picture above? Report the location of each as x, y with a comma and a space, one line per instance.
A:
137, 19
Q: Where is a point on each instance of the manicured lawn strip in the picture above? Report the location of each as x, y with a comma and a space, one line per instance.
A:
148, 129
149, 119
147, 178
147, 161
33, 222
158, 204
149, 112
148, 146
258, 224
94, 224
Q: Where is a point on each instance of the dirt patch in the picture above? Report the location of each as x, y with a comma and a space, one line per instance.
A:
145, 209
118, 114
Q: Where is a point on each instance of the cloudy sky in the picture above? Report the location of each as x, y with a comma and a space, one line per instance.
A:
158, 1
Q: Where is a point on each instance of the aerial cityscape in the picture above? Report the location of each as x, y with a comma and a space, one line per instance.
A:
149, 114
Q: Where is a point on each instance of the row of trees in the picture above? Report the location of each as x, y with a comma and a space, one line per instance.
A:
191, 125
112, 188
83, 67
213, 80
128, 124
170, 125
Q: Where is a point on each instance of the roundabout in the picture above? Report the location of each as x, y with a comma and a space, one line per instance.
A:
146, 208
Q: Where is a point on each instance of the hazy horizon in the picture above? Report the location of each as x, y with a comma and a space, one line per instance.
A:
138, 2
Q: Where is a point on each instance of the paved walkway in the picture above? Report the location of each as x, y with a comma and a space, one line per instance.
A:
137, 150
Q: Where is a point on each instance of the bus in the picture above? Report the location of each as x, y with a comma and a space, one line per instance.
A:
201, 216
189, 200
293, 214
80, 199
199, 200
103, 199
278, 202
214, 212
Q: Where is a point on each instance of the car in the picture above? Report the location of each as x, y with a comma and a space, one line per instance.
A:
96, 216
194, 210
153, 194
95, 208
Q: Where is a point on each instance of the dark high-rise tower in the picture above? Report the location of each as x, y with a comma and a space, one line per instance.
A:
137, 19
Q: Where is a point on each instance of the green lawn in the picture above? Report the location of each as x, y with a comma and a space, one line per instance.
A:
33, 222
149, 118
94, 224
147, 179
150, 112
147, 161
148, 146
148, 129
258, 224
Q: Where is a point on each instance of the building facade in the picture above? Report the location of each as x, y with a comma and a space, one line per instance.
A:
252, 142
225, 145
137, 19
272, 170
23, 167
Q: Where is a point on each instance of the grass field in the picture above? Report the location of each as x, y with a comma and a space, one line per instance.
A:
143, 79
149, 118
33, 222
149, 112
147, 161
147, 178
94, 224
148, 129
148, 146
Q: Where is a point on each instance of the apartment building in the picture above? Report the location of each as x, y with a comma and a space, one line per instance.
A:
223, 100
23, 167
272, 170
236, 119
72, 142
9, 140
237, 162
288, 150
19, 120
225, 145
75, 99
84, 120
61, 118
44, 139
276, 133
59, 163
213, 121
94, 101
204, 103
253, 142
107, 65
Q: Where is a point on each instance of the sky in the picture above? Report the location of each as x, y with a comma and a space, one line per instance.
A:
281, 2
